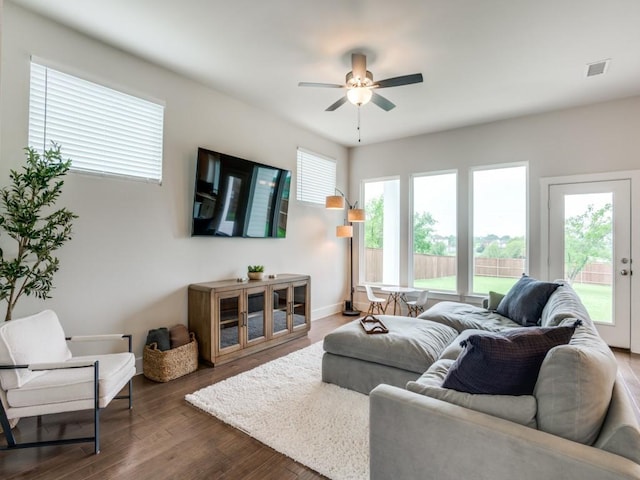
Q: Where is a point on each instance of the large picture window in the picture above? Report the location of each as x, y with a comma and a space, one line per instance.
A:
434, 231
499, 228
382, 232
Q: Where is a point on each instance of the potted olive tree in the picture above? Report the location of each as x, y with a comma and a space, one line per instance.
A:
28, 216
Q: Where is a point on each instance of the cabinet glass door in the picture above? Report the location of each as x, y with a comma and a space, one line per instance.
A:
299, 310
280, 309
230, 322
255, 315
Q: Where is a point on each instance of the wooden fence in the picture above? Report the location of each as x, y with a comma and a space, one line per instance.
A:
435, 266
499, 267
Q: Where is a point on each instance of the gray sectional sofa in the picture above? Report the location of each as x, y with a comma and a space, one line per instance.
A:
579, 422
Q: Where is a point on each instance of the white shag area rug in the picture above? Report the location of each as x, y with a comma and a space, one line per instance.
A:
285, 405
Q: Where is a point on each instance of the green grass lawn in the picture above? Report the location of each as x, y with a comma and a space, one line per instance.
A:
597, 298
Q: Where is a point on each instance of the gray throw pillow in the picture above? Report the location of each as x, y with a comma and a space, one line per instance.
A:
505, 363
161, 337
525, 301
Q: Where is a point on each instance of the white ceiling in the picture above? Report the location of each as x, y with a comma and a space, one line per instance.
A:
482, 60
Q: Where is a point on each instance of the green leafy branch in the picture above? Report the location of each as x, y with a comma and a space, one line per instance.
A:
25, 218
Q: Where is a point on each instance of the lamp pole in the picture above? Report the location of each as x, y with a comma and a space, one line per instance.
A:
349, 310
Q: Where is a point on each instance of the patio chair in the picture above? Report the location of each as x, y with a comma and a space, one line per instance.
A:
39, 376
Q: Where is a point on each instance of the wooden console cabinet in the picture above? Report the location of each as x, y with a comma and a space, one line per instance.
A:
232, 319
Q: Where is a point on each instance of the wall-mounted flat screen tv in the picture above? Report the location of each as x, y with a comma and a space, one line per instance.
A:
235, 197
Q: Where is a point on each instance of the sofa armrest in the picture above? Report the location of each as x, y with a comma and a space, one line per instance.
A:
414, 436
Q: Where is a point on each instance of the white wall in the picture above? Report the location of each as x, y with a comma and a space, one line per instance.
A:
131, 258
598, 138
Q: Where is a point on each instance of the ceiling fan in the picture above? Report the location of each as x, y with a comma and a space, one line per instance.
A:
360, 85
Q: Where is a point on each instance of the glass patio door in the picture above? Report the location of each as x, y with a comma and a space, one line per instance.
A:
590, 245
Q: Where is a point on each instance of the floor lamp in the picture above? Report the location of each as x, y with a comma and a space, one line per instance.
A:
354, 215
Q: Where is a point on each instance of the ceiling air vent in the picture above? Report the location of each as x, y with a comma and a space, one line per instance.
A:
597, 68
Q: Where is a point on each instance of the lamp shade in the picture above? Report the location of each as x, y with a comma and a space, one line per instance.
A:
355, 215
344, 231
334, 202
359, 95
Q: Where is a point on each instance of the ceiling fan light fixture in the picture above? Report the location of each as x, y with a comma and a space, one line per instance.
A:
359, 95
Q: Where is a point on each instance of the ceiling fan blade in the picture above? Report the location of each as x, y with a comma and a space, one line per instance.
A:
382, 102
359, 66
337, 104
326, 85
399, 81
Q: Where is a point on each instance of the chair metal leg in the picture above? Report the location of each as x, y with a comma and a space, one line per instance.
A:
96, 410
6, 428
130, 393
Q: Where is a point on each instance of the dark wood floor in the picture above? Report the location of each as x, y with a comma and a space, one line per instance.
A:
163, 437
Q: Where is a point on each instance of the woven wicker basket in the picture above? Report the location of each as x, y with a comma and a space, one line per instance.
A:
162, 366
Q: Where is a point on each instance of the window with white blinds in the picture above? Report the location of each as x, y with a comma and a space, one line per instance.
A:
316, 177
101, 130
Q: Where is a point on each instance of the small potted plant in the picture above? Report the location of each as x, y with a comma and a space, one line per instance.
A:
256, 272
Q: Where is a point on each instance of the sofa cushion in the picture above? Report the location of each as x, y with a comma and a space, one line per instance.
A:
462, 316
525, 301
72, 384
574, 386
410, 345
504, 363
38, 338
519, 409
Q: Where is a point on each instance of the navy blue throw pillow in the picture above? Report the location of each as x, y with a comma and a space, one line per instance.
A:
525, 301
504, 363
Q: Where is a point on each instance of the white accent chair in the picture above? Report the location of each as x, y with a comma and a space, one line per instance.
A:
376, 304
39, 376
416, 307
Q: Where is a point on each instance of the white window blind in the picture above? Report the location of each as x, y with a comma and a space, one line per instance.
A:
101, 130
316, 177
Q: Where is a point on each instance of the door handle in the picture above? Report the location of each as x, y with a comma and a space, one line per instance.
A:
624, 272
